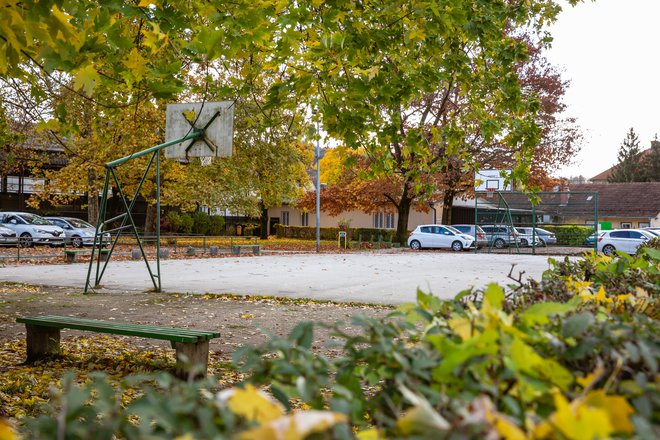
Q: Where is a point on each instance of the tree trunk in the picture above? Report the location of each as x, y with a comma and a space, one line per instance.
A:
150, 220
92, 198
403, 211
263, 233
447, 205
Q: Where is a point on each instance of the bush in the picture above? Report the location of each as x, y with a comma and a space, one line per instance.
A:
201, 223
217, 225
309, 233
570, 235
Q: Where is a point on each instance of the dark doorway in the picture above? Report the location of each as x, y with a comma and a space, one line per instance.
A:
271, 225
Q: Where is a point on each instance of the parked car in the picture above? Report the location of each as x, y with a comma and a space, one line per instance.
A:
527, 238
439, 236
591, 239
652, 230
477, 234
624, 240
7, 237
32, 229
78, 232
545, 237
501, 236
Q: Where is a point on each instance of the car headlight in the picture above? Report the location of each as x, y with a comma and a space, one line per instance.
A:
41, 231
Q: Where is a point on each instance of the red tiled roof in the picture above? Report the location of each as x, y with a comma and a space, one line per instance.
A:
634, 199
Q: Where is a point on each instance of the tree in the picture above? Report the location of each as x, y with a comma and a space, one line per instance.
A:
651, 162
628, 167
405, 83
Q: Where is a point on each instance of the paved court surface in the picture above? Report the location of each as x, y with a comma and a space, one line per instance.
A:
390, 278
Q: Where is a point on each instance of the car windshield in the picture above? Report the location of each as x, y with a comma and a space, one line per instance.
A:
77, 223
453, 229
35, 219
521, 230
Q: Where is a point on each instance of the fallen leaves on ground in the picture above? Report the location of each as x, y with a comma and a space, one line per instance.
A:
23, 388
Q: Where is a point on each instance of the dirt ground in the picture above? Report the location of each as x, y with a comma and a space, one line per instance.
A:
240, 320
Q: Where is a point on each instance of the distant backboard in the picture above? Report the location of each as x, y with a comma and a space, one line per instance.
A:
216, 117
491, 180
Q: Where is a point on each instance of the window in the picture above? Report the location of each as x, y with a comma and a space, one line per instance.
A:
426, 229
637, 235
389, 220
626, 225
378, 220
644, 224
12, 184
620, 234
304, 219
31, 185
285, 218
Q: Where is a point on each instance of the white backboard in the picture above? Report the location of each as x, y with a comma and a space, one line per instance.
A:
491, 180
219, 134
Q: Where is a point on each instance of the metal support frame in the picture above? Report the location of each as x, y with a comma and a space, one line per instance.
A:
104, 226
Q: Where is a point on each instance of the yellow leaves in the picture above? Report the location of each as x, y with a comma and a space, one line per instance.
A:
462, 327
144, 3
253, 405
86, 78
247, 316
136, 64
6, 433
578, 287
595, 415
296, 426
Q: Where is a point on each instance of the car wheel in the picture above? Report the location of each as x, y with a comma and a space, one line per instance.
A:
76, 241
456, 246
499, 243
25, 240
608, 249
524, 242
542, 242
415, 245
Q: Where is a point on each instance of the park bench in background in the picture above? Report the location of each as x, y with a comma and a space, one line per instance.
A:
254, 248
43, 338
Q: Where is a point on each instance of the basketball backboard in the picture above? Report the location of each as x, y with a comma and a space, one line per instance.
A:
491, 180
217, 120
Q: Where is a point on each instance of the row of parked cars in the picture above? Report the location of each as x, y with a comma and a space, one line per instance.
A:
460, 237
26, 229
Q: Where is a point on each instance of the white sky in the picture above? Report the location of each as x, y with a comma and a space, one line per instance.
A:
610, 51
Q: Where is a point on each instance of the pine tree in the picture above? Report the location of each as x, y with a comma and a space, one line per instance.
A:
651, 163
629, 165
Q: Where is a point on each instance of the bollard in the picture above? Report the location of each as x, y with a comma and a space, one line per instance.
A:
255, 249
213, 250
164, 253
135, 254
190, 251
236, 250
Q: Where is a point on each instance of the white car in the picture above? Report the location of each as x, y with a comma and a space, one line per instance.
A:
528, 237
439, 236
624, 240
7, 237
78, 232
32, 229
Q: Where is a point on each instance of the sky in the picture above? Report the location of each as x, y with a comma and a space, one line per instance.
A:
610, 51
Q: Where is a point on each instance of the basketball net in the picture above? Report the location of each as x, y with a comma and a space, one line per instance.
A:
206, 160
490, 192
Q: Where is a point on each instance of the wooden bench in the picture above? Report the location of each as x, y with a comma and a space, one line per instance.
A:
237, 249
43, 338
71, 254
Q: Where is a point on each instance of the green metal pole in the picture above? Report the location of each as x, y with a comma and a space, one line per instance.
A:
99, 222
158, 289
194, 134
596, 222
533, 229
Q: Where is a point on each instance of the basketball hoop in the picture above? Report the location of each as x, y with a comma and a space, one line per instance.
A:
205, 160
490, 192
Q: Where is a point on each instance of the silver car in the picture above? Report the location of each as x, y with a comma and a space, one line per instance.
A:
7, 237
544, 236
78, 232
32, 229
624, 240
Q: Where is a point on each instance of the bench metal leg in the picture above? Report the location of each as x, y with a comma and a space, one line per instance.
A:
196, 354
41, 342
70, 258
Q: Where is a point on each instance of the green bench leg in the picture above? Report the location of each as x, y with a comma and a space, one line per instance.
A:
41, 342
196, 356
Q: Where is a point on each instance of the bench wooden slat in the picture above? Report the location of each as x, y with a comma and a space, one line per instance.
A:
153, 332
76, 320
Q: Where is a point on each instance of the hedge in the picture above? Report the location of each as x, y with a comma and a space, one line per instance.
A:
309, 233
569, 235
